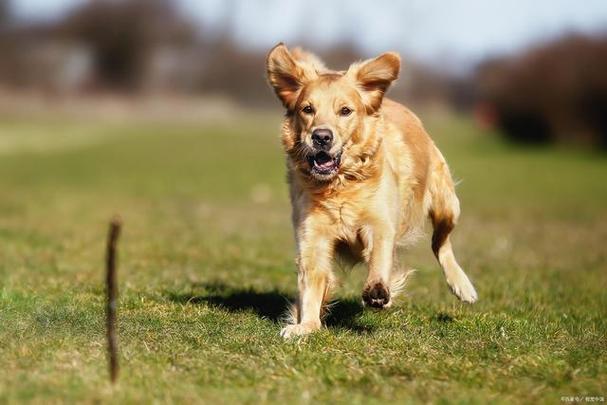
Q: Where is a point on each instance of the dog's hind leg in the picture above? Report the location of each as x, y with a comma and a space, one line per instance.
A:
444, 212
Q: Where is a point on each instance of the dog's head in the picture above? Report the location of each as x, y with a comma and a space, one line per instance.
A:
327, 111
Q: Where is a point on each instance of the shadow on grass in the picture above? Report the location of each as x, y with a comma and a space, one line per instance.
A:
443, 317
345, 314
271, 305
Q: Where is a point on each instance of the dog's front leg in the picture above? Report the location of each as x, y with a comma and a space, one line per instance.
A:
376, 292
313, 279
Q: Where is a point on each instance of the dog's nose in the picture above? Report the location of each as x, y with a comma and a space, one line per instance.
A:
322, 138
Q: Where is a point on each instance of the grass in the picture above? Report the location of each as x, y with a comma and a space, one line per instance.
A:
206, 268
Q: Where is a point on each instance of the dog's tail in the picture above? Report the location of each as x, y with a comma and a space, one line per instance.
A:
304, 56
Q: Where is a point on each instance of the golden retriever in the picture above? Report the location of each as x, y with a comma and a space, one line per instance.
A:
363, 174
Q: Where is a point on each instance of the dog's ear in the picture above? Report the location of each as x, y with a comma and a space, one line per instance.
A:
374, 76
287, 75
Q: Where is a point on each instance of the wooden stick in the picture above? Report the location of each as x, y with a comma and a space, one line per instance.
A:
112, 292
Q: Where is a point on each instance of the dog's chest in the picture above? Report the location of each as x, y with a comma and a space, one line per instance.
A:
346, 217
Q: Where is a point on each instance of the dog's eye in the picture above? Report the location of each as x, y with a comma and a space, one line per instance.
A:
308, 109
345, 111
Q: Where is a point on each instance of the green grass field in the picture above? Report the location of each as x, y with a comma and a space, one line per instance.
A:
206, 269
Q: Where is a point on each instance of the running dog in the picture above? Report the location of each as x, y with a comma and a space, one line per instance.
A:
363, 174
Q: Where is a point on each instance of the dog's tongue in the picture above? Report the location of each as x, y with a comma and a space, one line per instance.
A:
325, 165
323, 160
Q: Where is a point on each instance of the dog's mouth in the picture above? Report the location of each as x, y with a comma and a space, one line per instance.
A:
323, 164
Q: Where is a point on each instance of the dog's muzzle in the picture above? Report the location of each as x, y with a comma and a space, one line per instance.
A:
324, 165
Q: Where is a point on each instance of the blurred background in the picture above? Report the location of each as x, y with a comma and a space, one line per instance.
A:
159, 111
533, 70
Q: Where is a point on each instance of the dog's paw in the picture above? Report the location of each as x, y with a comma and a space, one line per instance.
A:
377, 295
463, 289
299, 329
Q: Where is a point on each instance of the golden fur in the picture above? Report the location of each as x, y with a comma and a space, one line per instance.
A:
386, 178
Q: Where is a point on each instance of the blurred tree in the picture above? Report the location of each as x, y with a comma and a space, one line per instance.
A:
7, 48
554, 92
234, 72
5, 13
122, 35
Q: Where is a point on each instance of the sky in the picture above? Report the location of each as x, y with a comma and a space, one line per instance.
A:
433, 30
